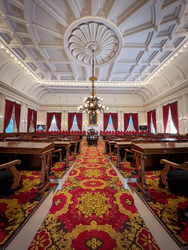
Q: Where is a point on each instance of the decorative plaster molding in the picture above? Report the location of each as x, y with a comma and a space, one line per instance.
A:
92, 34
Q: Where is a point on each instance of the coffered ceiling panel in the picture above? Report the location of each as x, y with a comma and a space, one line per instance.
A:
140, 46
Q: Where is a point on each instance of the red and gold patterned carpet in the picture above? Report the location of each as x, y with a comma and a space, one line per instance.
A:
93, 211
17, 207
165, 205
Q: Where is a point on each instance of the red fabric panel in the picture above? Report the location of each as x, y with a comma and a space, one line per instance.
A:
165, 116
126, 121
70, 120
174, 113
153, 114
135, 121
17, 115
58, 120
106, 117
49, 120
149, 121
35, 119
29, 119
8, 113
115, 120
79, 120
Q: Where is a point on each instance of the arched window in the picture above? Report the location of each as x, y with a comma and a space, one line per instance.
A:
74, 125
12, 124
170, 125
53, 126
110, 126
131, 126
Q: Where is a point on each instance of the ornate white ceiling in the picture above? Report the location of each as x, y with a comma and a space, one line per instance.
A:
140, 46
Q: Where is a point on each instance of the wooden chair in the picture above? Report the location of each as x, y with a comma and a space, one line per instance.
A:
12, 179
175, 176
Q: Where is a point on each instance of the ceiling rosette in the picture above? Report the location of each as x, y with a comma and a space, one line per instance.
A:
83, 38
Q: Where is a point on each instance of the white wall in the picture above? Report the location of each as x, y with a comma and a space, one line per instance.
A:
64, 108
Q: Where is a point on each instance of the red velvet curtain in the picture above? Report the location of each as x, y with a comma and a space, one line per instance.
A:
79, 120
153, 114
70, 120
58, 120
29, 119
174, 113
17, 115
49, 120
115, 120
105, 120
35, 119
165, 116
8, 113
135, 121
149, 121
126, 121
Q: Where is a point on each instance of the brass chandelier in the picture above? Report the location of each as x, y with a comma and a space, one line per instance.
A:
92, 103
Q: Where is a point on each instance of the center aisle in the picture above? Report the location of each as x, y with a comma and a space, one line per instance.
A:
93, 211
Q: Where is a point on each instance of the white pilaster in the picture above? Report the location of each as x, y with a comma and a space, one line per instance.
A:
180, 115
22, 116
2, 112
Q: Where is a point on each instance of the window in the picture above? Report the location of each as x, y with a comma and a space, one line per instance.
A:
53, 126
110, 126
170, 125
152, 126
131, 126
74, 125
12, 124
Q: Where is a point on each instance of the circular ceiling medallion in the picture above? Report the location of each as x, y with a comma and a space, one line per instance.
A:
92, 34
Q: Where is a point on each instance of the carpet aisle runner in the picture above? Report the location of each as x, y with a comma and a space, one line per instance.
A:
93, 211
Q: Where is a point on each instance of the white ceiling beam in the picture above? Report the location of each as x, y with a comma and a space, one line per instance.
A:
130, 11
47, 31
16, 19
138, 29
87, 73
74, 7
99, 73
22, 34
4, 29
113, 8
47, 88
51, 46
63, 73
74, 69
50, 7
111, 70
16, 3
95, 4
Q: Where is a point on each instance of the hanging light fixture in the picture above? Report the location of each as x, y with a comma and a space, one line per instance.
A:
92, 103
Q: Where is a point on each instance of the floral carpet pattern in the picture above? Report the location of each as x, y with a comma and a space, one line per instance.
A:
165, 205
58, 168
93, 211
17, 207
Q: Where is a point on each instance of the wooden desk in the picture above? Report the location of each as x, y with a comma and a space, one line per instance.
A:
92, 140
149, 155
122, 145
65, 146
111, 145
32, 155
